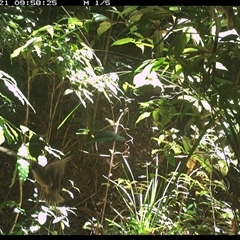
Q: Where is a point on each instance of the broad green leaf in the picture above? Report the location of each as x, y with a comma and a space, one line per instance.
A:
179, 44
159, 63
188, 124
75, 21
176, 148
166, 112
48, 28
17, 51
10, 204
171, 159
186, 144
103, 27
106, 136
135, 17
35, 71
36, 42
158, 43
123, 41
155, 115
143, 116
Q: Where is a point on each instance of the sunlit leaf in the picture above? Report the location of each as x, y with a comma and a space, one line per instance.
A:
141, 46
75, 21
48, 28
24, 129
42, 217
17, 51
2, 138
107, 96
99, 17
35, 228
22, 164
123, 41
176, 148
58, 219
88, 95
223, 167
143, 116
12, 86
206, 105
111, 87
9, 133
220, 66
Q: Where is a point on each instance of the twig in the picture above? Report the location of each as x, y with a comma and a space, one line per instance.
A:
110, 169
20, 204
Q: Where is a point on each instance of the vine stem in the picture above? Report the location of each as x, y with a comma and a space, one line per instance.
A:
110, 169
26, 124
20, 204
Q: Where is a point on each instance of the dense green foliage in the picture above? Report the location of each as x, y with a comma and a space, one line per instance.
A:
152, 89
